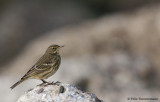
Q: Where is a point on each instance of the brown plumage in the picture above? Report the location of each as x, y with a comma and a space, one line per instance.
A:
45, 67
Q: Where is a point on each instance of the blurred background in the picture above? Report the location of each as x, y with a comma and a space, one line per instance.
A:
111, 47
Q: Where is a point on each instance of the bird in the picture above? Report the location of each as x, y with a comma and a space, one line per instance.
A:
45, 67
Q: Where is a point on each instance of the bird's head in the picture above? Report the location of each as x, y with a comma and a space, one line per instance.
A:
53, 49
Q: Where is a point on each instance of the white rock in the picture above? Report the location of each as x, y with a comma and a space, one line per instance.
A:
59, 92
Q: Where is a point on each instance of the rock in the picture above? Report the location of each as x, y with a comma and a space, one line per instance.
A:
57, 92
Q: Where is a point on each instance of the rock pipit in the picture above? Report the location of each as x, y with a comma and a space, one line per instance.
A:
45, 67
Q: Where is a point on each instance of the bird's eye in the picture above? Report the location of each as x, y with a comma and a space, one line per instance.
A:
54, 48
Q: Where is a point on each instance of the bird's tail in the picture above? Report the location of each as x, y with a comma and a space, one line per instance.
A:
17, 83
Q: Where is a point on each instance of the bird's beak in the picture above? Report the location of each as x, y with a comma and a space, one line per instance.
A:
61, 46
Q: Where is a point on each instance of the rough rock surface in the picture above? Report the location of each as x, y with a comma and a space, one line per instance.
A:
57, 92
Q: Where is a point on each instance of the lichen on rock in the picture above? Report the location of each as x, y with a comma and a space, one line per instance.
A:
57, 92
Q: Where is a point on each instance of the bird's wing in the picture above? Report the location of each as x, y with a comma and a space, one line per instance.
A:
42, 64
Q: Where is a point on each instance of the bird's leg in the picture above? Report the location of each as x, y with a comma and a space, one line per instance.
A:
44, 81
52, 83
56, 83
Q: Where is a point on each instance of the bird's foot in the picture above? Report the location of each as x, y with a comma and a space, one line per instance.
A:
44, 82
56, 83
49, 83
